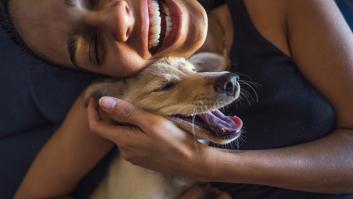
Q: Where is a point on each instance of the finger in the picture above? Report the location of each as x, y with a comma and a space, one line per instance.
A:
116, 134
195, 192
217, 193
92, 109
123, 111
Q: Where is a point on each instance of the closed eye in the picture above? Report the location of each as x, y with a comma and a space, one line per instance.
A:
166, 87
94, 52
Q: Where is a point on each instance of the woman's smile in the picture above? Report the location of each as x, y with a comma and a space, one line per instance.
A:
165, 24
111, 37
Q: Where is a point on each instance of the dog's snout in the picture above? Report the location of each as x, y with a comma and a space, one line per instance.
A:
227, 84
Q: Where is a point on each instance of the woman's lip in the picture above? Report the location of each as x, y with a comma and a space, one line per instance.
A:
176, 16
145, 23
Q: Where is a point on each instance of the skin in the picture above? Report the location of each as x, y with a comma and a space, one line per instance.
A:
294, 26
120, 24
112, 19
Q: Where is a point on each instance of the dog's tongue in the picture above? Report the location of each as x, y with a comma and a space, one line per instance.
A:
220, 123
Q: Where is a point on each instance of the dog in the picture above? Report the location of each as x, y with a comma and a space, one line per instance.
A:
187, 93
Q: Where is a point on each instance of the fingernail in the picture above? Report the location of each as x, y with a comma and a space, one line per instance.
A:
108, 103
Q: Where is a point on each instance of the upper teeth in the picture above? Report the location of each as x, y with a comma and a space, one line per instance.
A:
155, 23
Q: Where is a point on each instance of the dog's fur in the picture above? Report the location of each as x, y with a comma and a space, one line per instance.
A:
171, 86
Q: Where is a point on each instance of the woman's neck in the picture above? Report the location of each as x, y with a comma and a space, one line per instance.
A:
220, 32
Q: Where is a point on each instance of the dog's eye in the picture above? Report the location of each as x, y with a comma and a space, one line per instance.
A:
166, 87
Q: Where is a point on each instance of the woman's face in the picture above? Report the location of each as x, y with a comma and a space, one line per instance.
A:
112, 37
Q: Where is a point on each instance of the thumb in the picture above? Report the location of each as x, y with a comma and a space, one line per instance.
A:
117, 134
195, 192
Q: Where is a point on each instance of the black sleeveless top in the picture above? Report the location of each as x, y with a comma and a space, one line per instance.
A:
281, 107
286, 109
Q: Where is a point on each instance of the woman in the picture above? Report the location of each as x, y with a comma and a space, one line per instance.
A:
31, 116
298, 135
346, 7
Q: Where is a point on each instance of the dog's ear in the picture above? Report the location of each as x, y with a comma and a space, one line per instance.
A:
97, 90
208, 62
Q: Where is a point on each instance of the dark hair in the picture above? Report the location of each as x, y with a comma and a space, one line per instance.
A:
7, 25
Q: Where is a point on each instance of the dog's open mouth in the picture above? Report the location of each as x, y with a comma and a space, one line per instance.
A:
213, 126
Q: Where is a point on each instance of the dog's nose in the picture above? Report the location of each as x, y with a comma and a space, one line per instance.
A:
227, 84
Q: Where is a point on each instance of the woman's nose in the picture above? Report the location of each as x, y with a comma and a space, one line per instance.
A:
116, 17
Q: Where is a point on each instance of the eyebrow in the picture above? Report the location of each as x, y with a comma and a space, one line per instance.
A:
72, 40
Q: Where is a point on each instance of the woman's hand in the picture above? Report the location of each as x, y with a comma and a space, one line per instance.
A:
199, 192
152, 142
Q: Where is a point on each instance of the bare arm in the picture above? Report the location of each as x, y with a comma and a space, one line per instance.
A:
65, 159
322, 166
322, 45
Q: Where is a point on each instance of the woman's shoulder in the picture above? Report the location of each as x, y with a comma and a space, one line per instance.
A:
269, 18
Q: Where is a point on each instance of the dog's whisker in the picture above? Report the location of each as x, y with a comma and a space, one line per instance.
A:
193, 127
244, 77
251, 88
251, 100
193, 123
244, 95
250, 82
240, 139
230, 145
235, 144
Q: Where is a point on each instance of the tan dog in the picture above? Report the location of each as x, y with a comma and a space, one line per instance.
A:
171, 87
